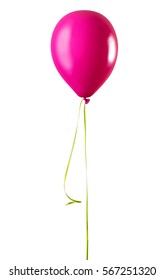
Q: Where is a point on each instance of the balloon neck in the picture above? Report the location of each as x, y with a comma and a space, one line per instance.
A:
86, 100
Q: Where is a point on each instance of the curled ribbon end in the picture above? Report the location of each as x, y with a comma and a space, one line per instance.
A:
86, 100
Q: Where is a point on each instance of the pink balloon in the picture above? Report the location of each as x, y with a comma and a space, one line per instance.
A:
84, 50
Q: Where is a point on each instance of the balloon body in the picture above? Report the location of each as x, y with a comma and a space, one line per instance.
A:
84, 49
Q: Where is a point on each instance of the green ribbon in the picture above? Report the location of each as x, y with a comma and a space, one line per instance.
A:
72, 200
86, 174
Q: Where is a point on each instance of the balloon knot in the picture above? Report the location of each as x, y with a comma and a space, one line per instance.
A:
86, 100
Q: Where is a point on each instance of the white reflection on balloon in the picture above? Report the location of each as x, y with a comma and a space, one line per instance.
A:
63, 48
112, 49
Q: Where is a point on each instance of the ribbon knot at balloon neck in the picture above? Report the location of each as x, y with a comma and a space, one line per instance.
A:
86, 100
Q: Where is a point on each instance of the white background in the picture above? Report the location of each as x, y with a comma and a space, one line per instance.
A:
38, 114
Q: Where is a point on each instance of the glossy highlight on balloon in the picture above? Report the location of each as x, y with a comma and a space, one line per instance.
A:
84, 49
